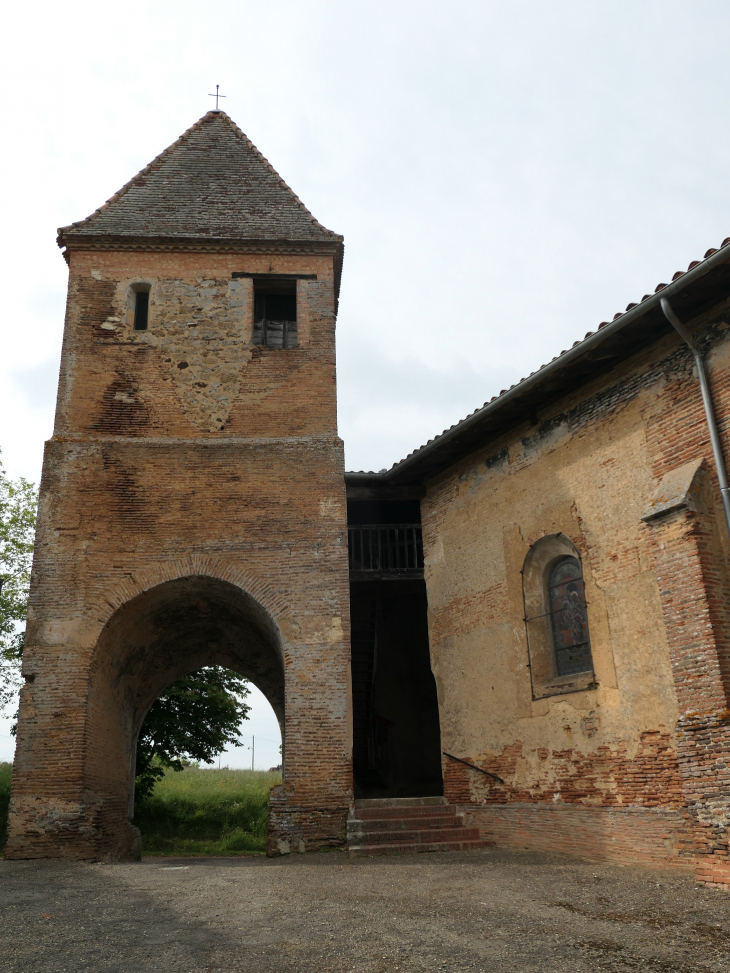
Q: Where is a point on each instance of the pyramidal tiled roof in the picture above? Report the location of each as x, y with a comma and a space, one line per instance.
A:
212, 183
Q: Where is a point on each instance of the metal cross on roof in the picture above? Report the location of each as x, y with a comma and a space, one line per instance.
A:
217, 96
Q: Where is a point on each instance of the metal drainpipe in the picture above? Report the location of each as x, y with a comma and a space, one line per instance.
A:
707, 402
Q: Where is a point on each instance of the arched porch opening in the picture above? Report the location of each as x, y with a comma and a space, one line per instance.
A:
160, 635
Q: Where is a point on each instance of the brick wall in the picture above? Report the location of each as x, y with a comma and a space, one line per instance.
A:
192, 511
693, 583
613, 775
656, 838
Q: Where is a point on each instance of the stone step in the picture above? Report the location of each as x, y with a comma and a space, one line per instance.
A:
423, 836
417, 847
399, 802
380, 813
418, 823
408, 826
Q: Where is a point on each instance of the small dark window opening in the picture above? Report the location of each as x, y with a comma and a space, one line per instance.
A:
141, 310
566, 593
275, 314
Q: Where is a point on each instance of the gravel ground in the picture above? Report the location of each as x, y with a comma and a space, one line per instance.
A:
494, 910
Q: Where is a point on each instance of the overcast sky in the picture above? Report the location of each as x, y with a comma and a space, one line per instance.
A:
507, 175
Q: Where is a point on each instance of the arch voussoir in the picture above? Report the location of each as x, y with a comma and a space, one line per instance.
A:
147, 577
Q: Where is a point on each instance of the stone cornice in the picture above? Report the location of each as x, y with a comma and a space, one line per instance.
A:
88, 241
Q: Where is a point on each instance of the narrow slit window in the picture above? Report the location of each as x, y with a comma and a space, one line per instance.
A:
275, 314
141, 310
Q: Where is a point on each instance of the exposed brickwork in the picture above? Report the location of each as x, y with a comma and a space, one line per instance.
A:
677, 431
692, 602
704, 752
610, 776
693, 583
193, 510
296, 829
655, 838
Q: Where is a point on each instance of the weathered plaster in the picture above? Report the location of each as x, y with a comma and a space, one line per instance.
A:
590, 470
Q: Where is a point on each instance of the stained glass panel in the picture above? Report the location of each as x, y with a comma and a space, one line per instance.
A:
569, 617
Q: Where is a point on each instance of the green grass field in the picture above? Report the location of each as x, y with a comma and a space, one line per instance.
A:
206, 812
6, 773
193, 812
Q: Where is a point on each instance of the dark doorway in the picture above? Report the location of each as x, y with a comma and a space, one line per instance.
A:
396, 736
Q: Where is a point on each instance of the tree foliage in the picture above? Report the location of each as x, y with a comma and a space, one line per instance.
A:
18, 504
193, 719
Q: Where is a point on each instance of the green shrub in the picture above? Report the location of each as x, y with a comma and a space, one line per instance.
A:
6, 774
206, 812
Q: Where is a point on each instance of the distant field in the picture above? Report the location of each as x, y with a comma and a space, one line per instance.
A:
6, 773
206, 812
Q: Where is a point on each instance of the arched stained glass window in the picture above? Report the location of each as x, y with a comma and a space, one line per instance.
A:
567, 602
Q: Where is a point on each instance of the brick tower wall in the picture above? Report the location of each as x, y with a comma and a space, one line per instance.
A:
184, 452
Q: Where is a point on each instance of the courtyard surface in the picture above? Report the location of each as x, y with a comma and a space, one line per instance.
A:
494, 910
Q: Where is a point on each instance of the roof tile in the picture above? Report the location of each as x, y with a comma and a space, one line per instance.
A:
212, 183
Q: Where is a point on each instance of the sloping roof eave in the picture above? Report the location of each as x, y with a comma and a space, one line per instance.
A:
66, 237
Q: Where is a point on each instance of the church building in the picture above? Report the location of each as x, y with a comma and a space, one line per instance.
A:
518, 635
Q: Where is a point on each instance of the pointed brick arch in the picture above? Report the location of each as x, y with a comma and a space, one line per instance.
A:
153, 628
141, 580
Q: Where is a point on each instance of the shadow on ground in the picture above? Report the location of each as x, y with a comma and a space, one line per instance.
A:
491, 910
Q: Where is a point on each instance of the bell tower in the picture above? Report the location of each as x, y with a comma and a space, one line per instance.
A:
192, 500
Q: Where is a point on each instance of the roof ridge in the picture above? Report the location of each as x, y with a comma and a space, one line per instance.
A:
158, 159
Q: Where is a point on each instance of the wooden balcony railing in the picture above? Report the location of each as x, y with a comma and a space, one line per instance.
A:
385, 549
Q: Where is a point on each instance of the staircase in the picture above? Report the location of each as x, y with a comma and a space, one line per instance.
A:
405, 826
